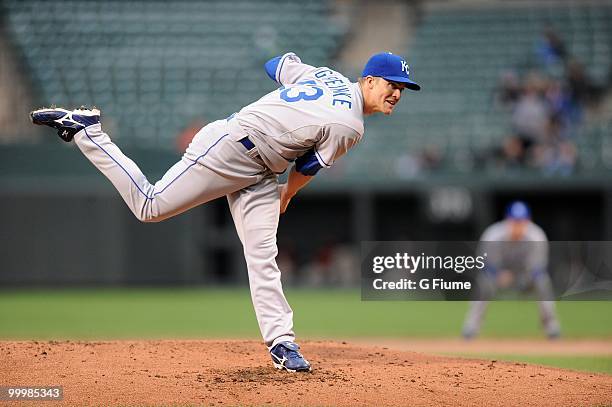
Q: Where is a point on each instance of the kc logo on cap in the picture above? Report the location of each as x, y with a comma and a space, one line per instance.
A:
390, 67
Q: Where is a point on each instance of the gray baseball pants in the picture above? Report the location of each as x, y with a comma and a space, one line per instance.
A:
488, 288
215, 164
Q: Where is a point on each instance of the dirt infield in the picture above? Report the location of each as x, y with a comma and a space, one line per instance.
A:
562, 347
240, 373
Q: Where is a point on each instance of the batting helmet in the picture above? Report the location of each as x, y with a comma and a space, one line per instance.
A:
518, 210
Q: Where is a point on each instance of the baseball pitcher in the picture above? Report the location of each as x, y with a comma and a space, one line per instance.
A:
517, 257
311, 120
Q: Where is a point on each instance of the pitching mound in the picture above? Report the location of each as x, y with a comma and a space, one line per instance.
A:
240, 373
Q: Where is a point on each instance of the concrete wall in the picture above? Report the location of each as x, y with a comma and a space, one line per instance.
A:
90, 237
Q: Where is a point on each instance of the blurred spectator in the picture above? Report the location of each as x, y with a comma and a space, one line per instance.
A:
183, 139
317, 273
512, 153
346, 266
547, 110
556, 158
564, 117
286, 260
531, 114
410, 165
550, 49
508, 90
334, 265
582, 90
407, 165
431, 157
567, 155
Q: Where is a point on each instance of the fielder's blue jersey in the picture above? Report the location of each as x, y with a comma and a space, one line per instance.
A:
317, 113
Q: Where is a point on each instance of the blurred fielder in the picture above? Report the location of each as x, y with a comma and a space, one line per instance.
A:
517, 256
314, 118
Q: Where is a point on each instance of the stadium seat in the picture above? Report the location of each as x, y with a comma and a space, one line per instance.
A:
162, 55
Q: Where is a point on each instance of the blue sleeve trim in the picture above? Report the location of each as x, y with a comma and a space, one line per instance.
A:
271, 67
308, 164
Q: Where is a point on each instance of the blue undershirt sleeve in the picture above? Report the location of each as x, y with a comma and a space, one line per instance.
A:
308, 164
271, 67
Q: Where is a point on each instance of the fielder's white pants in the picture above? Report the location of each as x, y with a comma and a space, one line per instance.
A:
214, 165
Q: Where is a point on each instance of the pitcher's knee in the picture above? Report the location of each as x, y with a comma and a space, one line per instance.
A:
147, 214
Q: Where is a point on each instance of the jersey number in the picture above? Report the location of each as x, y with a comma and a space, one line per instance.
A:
305, 90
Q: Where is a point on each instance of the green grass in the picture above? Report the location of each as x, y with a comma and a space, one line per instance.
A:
602, 364
228, 313
93, 314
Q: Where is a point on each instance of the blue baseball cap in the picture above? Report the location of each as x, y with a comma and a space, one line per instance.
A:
390, 67
518, 210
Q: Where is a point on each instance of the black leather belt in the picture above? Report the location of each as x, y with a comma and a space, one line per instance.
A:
247, 143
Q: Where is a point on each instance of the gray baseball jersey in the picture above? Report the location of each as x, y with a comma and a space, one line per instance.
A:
525, 256
315, 108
